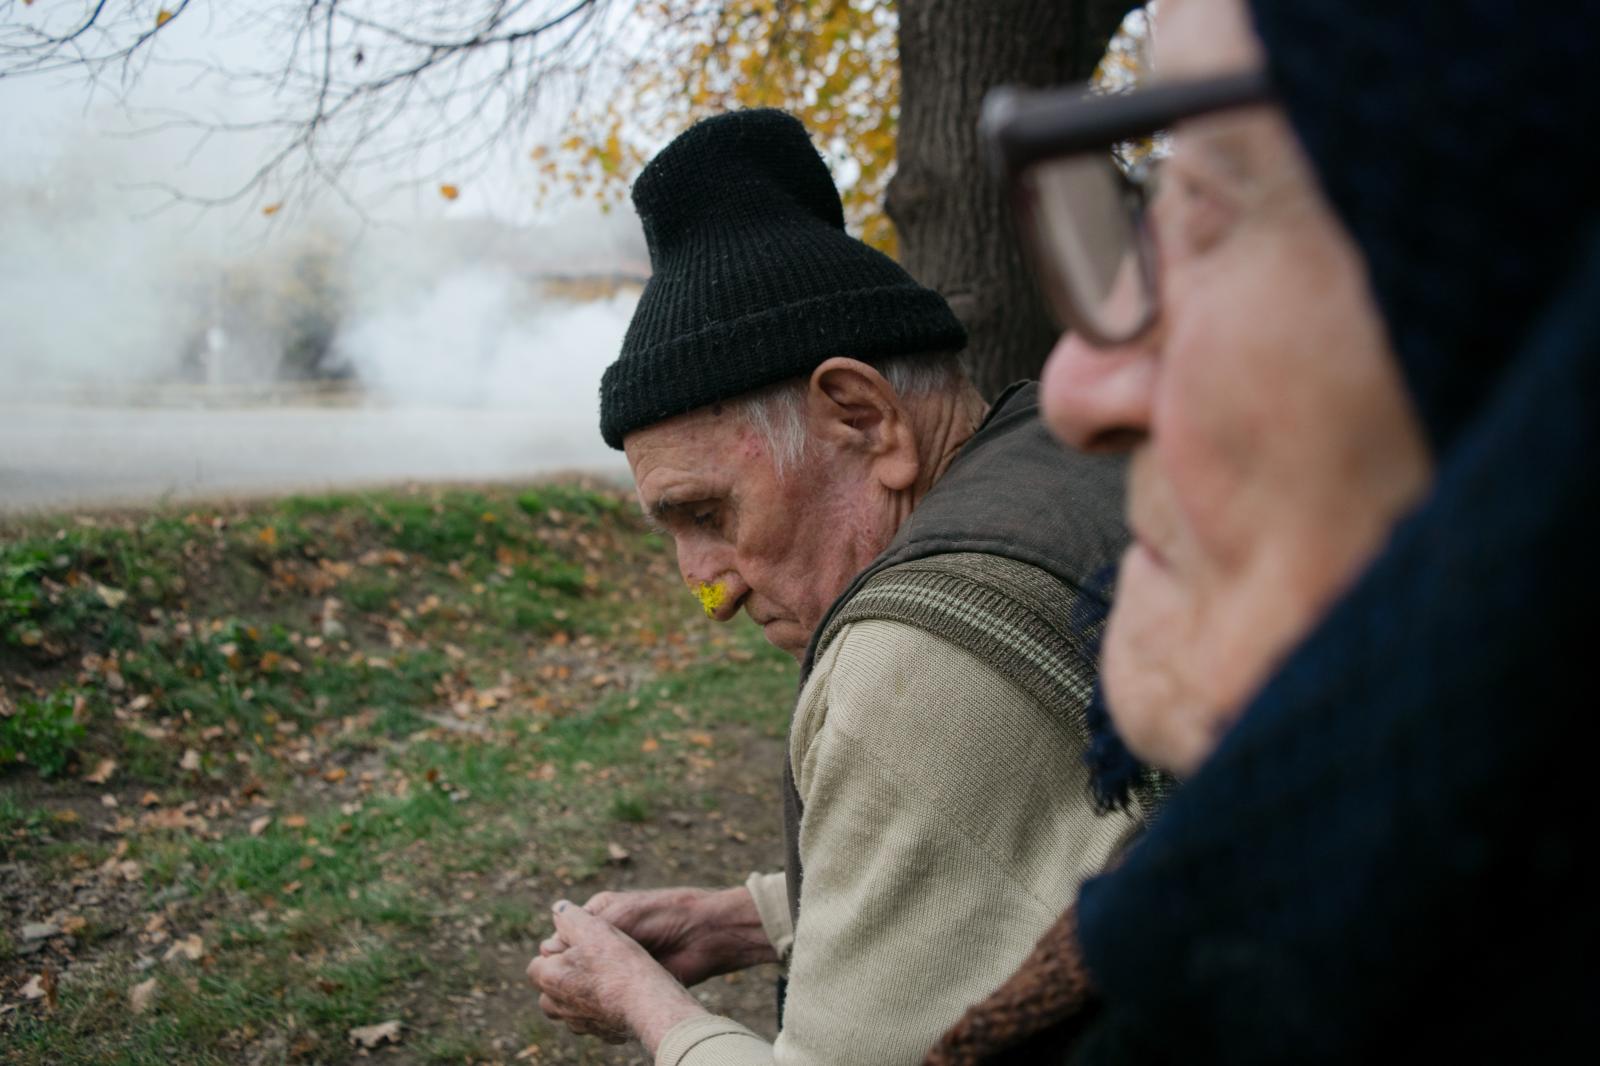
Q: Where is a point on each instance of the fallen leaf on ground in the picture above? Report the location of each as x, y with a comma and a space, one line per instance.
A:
190, 760
149, 799
370, 1036
190, 947
294, 821
650, 744
102, 772
34, 989
618, 853
172, 818
142, 995
259, 825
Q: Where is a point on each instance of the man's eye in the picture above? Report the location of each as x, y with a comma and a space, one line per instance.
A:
703, 517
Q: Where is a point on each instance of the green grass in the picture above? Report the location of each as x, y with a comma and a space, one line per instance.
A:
629, 807
204, 1014
43, 732
505, 681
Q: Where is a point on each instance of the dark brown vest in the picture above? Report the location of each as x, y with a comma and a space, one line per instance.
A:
1006, 556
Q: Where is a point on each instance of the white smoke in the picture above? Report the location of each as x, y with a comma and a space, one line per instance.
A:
476, 338
469, 348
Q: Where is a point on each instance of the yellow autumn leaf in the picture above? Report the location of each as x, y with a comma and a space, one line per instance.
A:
272, 209
833, 63
162, 17
449, 192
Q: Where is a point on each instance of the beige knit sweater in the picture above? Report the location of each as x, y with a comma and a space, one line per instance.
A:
947, 824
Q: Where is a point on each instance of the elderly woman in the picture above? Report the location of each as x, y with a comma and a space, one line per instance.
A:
1352, 344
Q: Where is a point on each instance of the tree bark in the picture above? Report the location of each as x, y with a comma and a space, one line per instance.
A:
956, 231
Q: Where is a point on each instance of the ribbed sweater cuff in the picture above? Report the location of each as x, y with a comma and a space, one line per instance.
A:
709, 1040
771, 894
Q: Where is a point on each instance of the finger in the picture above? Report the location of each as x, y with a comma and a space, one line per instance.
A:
601, 902
553, 945
551, 1008
574, 924
563, 1007
546, 972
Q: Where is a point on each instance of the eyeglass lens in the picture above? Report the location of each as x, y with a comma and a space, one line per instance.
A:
1086, 235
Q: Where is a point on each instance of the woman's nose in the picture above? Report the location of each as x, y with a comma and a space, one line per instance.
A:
1098, 399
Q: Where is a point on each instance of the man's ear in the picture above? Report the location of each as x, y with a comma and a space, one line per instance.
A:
852, 407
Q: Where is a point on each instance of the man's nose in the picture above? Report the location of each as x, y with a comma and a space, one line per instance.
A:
1098, 399
719, 588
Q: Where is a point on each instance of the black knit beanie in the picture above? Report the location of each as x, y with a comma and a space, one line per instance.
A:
754, 279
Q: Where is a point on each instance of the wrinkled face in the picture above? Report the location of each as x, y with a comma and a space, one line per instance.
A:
1273, 445
780, 548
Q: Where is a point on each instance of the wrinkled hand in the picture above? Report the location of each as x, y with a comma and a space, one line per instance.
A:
695, 933
600, 982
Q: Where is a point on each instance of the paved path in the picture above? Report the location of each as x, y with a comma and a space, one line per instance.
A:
61, 455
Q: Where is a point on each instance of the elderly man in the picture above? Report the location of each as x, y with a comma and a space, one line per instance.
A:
1352, 345
795, 418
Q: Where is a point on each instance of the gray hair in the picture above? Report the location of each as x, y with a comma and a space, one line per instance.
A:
778, 412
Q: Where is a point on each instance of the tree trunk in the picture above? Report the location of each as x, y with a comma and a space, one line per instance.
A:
956, 232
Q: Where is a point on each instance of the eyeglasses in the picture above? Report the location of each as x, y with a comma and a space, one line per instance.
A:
1082, 219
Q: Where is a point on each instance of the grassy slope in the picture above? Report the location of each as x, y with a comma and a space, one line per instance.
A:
318, 764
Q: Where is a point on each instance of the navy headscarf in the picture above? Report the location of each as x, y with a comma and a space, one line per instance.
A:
1387, 857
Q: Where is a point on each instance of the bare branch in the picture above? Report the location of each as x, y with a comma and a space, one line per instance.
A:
358, 85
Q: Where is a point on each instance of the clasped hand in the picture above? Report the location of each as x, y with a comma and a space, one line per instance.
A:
618, 965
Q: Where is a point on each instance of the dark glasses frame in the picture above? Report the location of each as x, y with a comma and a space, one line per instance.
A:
1022, 128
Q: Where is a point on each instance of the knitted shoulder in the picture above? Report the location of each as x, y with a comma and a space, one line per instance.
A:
1031, 627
